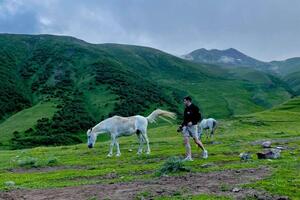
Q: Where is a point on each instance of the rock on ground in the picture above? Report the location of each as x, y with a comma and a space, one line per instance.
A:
270, 154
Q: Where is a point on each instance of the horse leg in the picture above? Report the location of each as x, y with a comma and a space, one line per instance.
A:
140, 137
113, 138
118, 148
211, 132
214, 128
206, 133
145, 136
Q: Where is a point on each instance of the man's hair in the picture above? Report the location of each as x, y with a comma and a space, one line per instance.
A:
188, 98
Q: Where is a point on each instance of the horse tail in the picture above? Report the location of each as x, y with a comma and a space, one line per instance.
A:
161, 114
215, 124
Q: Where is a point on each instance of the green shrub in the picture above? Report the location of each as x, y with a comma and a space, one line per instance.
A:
28, 162
52, 161
173, 165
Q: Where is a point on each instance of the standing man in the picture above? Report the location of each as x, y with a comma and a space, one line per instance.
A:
189, 128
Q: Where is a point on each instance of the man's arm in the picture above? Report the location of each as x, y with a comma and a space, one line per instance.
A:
181, 126
184, 122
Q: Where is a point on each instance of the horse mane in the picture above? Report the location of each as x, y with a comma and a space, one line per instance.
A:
158, 113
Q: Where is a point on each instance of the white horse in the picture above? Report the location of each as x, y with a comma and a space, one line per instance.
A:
207, 124
118, 126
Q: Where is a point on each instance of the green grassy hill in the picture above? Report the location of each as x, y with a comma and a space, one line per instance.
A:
24, 120
59, 168
93, 81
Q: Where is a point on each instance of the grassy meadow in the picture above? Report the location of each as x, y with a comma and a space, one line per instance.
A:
56, 167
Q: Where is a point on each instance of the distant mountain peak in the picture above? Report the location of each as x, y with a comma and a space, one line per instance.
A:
227, 57
231, 49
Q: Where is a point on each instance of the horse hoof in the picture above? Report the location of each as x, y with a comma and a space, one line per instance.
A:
148, 153
118, 154
109, 155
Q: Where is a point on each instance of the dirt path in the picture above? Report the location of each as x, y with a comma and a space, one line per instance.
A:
217, 183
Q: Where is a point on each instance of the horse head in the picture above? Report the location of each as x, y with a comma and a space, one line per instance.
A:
91, 138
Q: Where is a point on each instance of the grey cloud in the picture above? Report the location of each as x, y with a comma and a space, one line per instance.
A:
17, 18
265, 29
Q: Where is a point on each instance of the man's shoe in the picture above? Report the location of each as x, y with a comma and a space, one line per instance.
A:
205, 154
188, 159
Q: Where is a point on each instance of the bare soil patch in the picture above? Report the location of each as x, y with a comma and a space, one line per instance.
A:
217, 183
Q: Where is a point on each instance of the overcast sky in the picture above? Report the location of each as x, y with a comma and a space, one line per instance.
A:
264, 29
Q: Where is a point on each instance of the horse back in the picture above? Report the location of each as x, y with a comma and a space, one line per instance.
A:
129, 124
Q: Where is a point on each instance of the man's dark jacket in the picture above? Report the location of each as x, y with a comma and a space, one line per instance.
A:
191, 114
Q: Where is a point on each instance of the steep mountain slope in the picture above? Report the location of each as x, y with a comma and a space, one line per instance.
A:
13, 96
236, 61
90, 82
286, 67
293, 79
289, 70
205, 81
